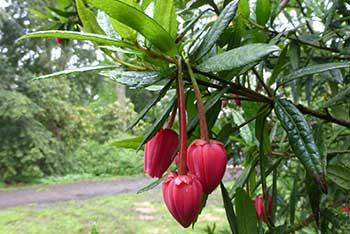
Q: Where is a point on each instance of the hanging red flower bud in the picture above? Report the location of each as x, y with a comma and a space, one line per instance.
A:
260, 208
207, 160
182, 195
346, 210
59, 40
159, 152
237, 101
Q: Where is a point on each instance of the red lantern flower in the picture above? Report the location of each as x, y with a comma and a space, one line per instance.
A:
237, 101
207, 160
346, 210
182, 195
260, 208
59, 40
159, 152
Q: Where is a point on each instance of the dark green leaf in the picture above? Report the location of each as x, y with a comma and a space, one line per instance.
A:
216, 30
139, 21
165, 15
301, 139
319, 68
314, 197
151, 104
75, 71
158, 124
340, 98
230, 213
282, 60
151, 185
262, 11
129, 143
207, 106
138, 79
237, 57
261, 129
246, 217
340, 175
104, 40
293, 200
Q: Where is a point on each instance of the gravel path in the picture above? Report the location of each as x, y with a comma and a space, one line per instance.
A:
74, 191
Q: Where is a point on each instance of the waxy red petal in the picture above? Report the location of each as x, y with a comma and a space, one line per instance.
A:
207, 160
183, 197
159, 152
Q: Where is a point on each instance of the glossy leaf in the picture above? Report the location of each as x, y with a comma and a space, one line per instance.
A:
151, 104
129, 143
208, 105
216, 30
139, 21
138, 79
261, 129
319, 68
314, 197
230, 213
243, 8
238, 57
245, 211
88, 19
340, 175
123, 30
340, 98
301, 140
262, 11
158, 124
281, 62
165, 15
75, 71
104, 40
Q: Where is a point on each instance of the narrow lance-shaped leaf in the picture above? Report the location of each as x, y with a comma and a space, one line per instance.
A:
88, 19
123, 30
138, 79
246, 217
75, 71
165, 15
263, 10
128, 143
151, 104
139, 21
230, 213
314, 198
104, 40
216, 30
282, 60
301, 140
237, 57
304, 72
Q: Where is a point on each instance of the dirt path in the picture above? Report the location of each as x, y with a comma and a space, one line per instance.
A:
74, 191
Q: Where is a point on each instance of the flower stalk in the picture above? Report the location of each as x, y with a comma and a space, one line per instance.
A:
182, 121
200, 106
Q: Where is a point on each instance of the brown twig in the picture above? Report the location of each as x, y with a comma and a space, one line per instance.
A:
299, 226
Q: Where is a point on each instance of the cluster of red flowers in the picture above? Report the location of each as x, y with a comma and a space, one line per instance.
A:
206, 163
201, 166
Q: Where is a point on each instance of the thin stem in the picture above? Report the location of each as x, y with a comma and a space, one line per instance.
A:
262, 82
200, 106
172, 117
156, 55
299, 226
182, 120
